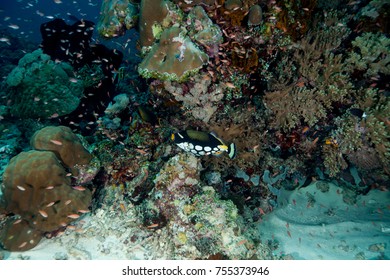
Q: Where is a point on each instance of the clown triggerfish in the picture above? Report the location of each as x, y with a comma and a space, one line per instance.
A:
202, 143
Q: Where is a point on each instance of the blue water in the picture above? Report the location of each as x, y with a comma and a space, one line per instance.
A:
29, 15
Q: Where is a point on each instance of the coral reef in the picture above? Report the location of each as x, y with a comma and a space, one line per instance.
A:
41, 88
175, 57
202, 29
156, 15
200, 223
200, 98
116, 17
64, 143
371, 54
300, 87
38, 192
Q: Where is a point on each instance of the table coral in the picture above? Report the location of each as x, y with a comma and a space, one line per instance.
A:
175, 57
40, 87
37, 189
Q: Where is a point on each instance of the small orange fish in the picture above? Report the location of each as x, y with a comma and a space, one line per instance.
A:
17, 221
79, 188
153, 226
230, 85
56, 142
73, 216
261, 211
22, 245
241, 242
43, 213
21, 188
50, 204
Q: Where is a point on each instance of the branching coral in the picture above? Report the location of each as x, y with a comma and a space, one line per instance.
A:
363, 140
371, 54
201, 99
320, 81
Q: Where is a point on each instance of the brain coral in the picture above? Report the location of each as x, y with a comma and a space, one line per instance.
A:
64, 143
37, 190
39, 87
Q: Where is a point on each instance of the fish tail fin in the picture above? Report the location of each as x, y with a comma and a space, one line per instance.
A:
232, 151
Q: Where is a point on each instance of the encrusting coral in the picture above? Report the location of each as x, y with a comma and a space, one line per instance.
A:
202, 29
175, 57
41, 88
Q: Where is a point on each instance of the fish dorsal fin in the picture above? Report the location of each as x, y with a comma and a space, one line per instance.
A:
198, 135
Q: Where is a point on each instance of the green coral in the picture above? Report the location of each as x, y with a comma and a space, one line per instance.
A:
40, 88
334, 161
363, 141
371, 54
116, 17
378, 128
